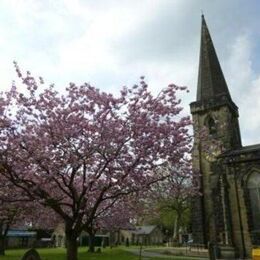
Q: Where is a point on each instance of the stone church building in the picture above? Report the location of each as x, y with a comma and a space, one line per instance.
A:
228, 212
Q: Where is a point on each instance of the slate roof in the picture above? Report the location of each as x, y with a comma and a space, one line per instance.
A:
21, 233
242, 150
144, 230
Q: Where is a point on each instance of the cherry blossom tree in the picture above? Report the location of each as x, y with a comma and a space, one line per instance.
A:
114, 217
9, 214
120, 217
12, 210
17, 211
78, 151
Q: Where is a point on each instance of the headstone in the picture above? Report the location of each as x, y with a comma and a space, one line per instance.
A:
98, 250
227, 252
212, 255
31, 254
127, 242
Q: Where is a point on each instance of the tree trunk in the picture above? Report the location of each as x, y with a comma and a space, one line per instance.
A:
2, 245
3, 234
91, 246
176, 228
72, 247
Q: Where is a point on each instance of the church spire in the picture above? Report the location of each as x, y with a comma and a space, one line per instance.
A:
211, 81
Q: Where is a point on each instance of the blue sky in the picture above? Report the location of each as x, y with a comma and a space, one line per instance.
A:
110, 43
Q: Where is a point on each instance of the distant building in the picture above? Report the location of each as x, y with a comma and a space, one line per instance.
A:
101, 239
59, 237
19, 238
146, 235
228, 212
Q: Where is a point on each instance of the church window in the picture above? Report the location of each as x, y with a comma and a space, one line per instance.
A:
253, 186
211, 124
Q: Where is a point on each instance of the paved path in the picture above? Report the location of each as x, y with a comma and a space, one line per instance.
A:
149, 254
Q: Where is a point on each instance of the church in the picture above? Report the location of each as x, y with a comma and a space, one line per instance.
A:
227, 213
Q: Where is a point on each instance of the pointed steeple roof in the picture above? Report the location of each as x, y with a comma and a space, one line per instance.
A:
211, 81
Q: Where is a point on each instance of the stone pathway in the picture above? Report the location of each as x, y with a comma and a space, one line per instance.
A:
148, 254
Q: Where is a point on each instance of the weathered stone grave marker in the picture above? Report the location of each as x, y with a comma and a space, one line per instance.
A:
31, 254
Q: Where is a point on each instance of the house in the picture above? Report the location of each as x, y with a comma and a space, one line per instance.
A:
146, 235
101, 238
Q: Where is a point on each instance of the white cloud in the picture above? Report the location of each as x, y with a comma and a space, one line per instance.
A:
239, 65
111, 43
244, 84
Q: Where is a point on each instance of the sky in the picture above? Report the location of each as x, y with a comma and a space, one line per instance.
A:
111, 43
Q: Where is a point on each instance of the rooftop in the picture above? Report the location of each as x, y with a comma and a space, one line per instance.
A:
242, 150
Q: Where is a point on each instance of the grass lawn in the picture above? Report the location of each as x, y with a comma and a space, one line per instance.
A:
59, 254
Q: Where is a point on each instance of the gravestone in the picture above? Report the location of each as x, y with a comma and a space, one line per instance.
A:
31, 254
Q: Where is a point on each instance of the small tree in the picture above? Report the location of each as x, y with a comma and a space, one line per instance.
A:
12, 210
113, 218
17, 210
8, 215
78, 151
172, 197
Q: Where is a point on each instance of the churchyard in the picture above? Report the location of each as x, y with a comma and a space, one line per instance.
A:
101, 171
106, 254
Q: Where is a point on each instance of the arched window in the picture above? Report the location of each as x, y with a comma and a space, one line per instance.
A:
253, 185
211, 124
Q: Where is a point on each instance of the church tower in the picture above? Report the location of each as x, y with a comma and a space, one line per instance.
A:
214, 111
